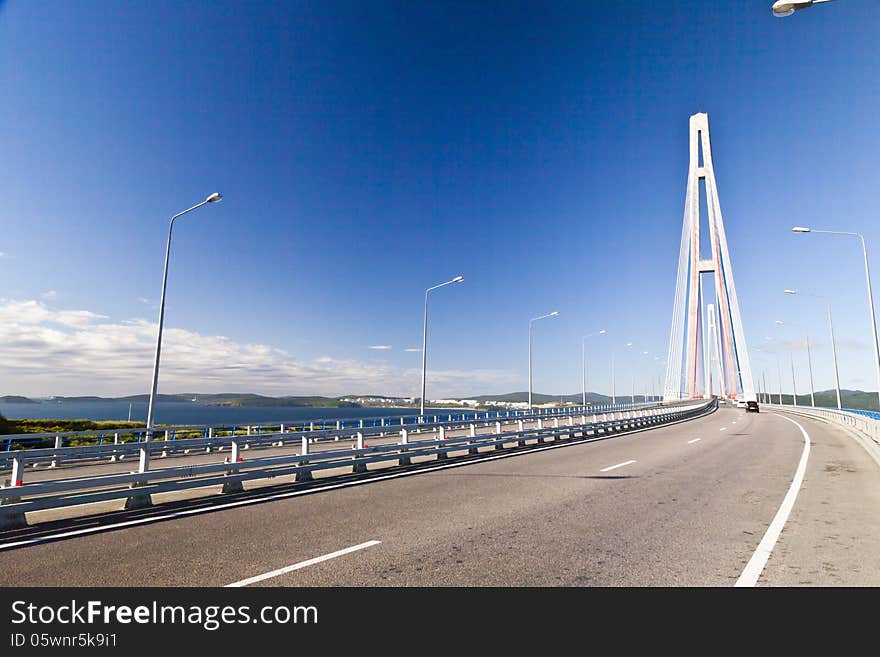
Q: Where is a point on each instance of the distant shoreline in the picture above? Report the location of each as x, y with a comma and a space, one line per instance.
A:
175, 413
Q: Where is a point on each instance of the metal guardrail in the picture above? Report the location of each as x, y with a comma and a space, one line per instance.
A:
858, 420
119, 444
137, 488
10, 442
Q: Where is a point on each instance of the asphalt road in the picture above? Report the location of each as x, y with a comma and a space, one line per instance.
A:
679, 505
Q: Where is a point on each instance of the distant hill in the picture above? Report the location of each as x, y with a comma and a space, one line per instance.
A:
218, 399
540, 398
858, 399
227, 399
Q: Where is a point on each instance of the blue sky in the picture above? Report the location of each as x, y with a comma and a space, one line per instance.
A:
368, 150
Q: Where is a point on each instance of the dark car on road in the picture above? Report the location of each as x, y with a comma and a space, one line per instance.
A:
752, 407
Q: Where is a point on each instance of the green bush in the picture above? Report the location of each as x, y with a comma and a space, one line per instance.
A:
59, 426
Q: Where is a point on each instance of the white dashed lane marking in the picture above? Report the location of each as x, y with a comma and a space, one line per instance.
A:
614, 467
302, 564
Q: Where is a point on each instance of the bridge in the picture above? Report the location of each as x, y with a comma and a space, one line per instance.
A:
693, 490
699, 493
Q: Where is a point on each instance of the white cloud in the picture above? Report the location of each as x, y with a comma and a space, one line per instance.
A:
380, 347
414, 349
143, 300
49, 294
2, 254
33, 313
76, 352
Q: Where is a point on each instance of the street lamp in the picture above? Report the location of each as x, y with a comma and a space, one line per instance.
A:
632, 390
531, 321
833, 348
764, 397
584, 362
659, 396
213, 198
779, 322
809, 357
782, 8
801, 229
779, 377
613, 396
457, 279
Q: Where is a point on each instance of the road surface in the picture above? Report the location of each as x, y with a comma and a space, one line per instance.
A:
685, 504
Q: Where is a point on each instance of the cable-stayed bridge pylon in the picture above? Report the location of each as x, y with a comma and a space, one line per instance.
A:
688, 370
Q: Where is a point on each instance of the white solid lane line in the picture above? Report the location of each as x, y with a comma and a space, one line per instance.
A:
619, 465
755, 566
690, 442
302, 564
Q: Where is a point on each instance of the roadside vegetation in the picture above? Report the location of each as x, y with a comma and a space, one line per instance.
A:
55, 425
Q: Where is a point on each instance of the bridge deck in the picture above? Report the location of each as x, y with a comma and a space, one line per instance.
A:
678, 505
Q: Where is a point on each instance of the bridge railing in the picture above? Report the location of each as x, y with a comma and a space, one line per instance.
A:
20, 496
116, 444
865, 422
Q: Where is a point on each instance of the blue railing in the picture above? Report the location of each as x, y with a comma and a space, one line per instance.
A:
874, 415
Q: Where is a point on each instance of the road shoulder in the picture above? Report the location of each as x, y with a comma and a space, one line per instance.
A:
833, 535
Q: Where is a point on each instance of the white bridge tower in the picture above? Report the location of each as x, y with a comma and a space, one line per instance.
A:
688, 367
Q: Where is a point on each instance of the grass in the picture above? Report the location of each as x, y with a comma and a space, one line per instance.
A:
59, 426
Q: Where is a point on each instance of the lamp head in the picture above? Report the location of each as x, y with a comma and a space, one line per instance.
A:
553, 314
782, 8
790, 291
800, 229
458, 279
602, 332
214, 198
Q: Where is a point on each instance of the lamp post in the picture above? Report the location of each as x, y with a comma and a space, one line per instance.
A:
810, 369
782, 8
809, 356
584, 362
779, 322
213, 198
532, 321
779, 376
801, 229
632, 390
457, 279
613, 397
834, 356
659, 396
833, 348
